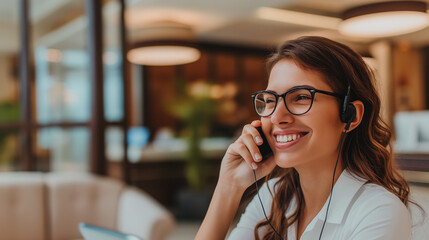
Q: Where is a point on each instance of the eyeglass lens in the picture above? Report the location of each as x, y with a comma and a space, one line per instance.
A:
297, 101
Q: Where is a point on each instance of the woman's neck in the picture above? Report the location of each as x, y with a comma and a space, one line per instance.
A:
316, 186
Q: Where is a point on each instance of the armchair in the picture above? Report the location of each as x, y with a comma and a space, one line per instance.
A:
44, 206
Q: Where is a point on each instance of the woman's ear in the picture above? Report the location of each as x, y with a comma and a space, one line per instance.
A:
360, 109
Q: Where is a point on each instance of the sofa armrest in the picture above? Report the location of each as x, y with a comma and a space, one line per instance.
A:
141, 215
23, 210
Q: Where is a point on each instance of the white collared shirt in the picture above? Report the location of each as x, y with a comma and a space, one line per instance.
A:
358, 211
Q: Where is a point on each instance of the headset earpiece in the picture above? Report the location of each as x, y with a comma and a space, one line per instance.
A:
348, 110
349, 115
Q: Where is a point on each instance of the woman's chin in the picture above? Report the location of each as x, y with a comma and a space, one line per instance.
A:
285, 160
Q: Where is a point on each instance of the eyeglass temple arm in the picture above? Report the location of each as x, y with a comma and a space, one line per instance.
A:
331, 94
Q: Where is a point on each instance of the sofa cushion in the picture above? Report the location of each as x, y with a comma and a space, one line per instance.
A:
140, 214
22, 206
81, 197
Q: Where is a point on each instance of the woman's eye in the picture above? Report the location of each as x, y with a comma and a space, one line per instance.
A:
303, 97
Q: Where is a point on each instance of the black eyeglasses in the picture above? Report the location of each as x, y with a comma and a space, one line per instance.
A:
297, 100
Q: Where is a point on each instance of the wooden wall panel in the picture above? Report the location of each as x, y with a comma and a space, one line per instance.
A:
198, 70
255, 79
226, 68
161, 84
244, 69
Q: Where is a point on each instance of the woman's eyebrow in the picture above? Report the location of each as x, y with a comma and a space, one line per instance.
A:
294, 87
301, 86
270, 91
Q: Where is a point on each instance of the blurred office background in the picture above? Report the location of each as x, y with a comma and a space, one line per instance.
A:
77, 96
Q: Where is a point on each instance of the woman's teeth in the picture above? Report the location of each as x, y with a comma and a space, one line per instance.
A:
287, 138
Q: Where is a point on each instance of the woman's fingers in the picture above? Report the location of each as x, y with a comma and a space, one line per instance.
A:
247, 144
241, 149
251, 142
256, 123
251, 129
244, 155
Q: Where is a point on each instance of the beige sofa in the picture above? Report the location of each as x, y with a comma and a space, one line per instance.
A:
49, 206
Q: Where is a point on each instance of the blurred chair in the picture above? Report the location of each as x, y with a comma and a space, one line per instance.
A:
412, 131
36, 205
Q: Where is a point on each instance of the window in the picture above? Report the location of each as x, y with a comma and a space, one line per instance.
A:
9, 82
58, 132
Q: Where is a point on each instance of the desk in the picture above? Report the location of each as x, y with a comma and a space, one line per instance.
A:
163, 179
160, 169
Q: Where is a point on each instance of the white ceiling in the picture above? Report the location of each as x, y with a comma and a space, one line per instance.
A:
224, 21
236, 21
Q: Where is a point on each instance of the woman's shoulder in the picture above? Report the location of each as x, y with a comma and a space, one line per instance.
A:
375, 195
371, 196
377, 211
377, 203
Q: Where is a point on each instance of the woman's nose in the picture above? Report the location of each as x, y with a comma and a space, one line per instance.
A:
281, 114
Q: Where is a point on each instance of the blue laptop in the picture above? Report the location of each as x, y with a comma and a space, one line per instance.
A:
91, 232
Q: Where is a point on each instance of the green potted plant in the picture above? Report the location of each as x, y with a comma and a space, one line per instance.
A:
195, 108
9, 113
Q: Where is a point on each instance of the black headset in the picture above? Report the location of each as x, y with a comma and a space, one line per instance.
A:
347, 115
347, 110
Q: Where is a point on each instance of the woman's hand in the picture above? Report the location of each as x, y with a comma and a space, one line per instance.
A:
235, 176
242, 156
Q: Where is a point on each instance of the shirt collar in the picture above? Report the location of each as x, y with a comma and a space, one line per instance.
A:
343, 193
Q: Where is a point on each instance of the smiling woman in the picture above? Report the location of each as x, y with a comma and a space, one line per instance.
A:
330, 149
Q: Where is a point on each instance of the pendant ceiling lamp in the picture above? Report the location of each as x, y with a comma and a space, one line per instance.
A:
164, 44
385, 19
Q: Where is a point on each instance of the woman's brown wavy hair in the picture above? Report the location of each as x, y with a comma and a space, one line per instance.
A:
367, 149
